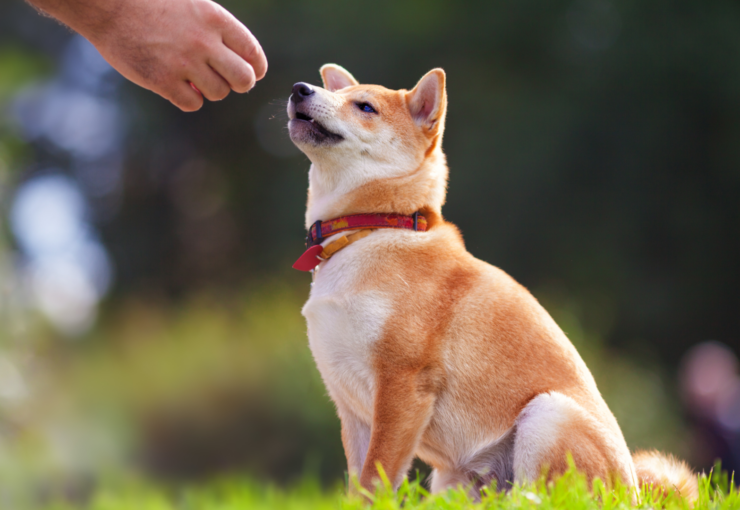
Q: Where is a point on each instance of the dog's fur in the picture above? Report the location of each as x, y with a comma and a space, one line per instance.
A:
426, 350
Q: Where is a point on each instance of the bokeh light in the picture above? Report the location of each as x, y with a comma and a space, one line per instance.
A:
67, 267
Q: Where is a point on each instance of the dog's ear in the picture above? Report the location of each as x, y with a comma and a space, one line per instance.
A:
336, 77
428, 100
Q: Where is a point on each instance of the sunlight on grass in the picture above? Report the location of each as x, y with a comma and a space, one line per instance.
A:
571, 491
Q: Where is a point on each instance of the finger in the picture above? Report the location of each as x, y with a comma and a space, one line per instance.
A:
232, 68
238, 37
210, 83
185, 98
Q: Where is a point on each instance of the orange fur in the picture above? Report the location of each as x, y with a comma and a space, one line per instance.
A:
655, 469
425, 349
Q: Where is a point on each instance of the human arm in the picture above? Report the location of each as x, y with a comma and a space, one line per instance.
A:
165, 45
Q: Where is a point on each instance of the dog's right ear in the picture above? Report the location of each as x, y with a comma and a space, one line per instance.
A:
428, 101
336, 77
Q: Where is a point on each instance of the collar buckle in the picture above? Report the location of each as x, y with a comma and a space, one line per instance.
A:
310, 241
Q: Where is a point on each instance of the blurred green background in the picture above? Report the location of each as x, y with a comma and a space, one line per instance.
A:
149, 318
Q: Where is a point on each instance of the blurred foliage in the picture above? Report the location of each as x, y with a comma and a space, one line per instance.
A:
211, 386
19, 68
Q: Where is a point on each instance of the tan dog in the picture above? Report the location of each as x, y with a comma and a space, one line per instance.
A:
426, 350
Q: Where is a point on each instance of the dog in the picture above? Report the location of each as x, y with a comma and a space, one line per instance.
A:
425, 350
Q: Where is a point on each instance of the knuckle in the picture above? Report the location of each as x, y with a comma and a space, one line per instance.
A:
244, 81
194, 104
216, 16
200, 43
219, 92
244, 87
187, 102
222, 93
189, 105
263, 71
256, 56
254, 52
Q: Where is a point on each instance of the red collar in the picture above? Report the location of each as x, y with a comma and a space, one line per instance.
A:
321, 230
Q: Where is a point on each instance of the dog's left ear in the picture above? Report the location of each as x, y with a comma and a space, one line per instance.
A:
336, 77
428, 100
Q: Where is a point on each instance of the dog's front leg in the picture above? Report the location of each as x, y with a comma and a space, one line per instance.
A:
402, 409
355, 438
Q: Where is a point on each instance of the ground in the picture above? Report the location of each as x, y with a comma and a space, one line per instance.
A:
569, 492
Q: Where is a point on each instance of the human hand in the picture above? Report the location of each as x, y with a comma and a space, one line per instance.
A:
167, 45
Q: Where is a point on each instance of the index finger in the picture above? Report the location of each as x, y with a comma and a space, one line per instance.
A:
241, 41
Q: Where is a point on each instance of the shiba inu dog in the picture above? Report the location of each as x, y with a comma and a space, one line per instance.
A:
425, 350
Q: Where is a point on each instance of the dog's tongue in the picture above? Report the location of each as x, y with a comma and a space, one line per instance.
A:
309, 259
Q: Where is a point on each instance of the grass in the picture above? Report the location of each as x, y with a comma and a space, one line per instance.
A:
570, 492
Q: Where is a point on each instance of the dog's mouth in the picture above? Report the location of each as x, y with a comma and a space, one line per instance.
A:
318, 128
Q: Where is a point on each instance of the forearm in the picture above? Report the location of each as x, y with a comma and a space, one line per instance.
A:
402, 410
87, 17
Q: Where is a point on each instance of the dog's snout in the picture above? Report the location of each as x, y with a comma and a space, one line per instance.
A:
301, 91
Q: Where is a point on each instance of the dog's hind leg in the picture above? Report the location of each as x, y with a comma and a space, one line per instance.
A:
492, 462
443, 479
551, 427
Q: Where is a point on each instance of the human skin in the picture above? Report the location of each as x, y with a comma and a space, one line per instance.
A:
184, 50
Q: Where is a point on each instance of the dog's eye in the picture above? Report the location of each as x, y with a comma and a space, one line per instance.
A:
366, 108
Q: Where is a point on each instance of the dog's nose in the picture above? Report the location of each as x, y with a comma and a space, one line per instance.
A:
301, 91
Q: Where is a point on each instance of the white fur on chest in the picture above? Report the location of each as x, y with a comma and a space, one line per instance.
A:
343, 327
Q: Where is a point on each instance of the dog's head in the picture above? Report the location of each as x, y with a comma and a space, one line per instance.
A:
360, 134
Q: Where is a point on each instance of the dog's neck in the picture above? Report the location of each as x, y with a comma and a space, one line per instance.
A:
336, 190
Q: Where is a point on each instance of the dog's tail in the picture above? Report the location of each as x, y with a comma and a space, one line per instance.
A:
660, 470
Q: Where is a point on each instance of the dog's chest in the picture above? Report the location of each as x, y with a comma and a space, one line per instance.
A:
344, 326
